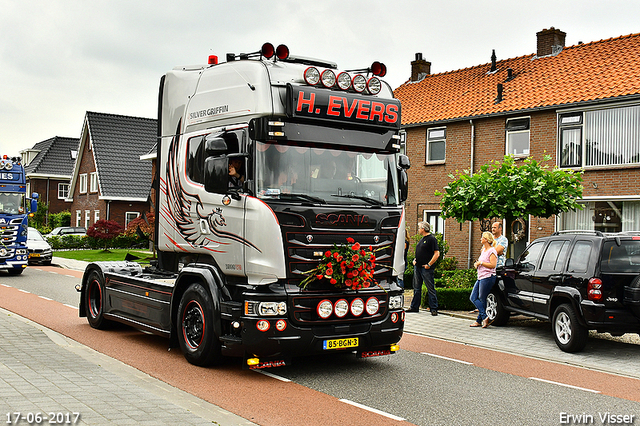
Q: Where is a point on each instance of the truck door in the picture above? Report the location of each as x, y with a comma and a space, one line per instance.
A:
215, 224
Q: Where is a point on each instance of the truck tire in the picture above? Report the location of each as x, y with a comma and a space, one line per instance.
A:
570, 335
196, 334
94, 301
495, 309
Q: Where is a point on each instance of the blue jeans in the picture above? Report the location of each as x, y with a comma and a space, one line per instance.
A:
479, 295
421, 275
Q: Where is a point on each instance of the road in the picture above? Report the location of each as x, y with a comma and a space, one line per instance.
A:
428, 382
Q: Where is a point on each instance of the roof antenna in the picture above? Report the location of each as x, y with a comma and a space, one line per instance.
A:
493, 60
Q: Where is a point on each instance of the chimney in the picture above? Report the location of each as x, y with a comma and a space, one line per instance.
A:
493, 60
550, 42
420, 68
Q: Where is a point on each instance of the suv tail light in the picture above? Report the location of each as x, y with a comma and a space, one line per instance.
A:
594, 290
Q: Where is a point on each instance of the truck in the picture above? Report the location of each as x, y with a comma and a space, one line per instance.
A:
269, 166
15, 208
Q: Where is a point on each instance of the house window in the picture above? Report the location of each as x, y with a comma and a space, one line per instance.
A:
518, 137
435, 220
129, 216
83, 183
602, 137
96, 216
436, 144
571, 140
94, 182
63, 191
87, 218
605, 216
78, 217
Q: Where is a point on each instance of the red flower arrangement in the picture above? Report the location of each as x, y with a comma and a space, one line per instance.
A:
346, 266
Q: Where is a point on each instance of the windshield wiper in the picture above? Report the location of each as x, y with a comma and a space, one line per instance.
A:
360, 197
304, 197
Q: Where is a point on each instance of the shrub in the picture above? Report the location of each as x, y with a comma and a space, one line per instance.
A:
459, 278
60, 219
453, 299
105, 231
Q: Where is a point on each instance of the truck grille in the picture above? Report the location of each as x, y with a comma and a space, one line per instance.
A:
9, 233
305, 250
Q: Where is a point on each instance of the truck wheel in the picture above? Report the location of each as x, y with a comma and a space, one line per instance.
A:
196, 334
495, 309
634, 296
570, 335
94, 301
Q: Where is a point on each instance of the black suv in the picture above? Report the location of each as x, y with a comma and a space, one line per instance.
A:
578, 280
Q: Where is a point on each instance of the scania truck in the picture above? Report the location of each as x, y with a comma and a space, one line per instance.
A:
14, 214
266, 165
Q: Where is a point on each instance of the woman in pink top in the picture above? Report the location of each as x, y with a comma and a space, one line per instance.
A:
486, 266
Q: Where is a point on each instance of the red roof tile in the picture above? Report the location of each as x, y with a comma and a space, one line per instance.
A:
604, 69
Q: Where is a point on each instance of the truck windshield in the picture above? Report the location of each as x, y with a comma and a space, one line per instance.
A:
11, 203
321, 175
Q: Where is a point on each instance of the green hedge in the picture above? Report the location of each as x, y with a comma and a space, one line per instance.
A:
452, 287
80, 242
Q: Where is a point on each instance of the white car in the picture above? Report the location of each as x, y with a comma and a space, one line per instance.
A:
39, 249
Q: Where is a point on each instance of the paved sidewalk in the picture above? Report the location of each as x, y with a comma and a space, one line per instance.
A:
528, 337
43, 372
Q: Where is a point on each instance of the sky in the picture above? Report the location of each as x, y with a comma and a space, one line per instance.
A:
61, 58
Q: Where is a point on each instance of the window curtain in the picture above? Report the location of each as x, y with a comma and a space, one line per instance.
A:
631, 216
579, 219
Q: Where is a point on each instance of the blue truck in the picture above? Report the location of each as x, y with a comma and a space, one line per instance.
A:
15, 208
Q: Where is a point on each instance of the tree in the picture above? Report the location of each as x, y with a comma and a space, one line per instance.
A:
105, 230
509, 190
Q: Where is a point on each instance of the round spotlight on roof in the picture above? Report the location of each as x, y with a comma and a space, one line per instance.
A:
282, 52
267, 50
344, 81
359, 83
312, 76
374, 85
328, 78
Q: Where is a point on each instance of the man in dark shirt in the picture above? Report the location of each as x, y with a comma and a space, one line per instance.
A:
427, 253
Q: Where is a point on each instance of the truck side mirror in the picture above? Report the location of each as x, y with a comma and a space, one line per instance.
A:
403, 162
216, 174
403, 184
34, 202
215, 146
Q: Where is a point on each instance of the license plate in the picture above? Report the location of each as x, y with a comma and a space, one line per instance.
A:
34, 254
340, 343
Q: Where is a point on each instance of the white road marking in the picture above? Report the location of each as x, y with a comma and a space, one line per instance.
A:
72, 307
449, 359
266, 373
24, 291
4, 285
373, 410
564, 384
45, 298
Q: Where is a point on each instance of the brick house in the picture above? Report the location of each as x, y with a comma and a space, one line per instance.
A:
49, 168
580, 104
110, 181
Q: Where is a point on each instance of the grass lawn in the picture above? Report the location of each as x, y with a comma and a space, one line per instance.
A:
101, 255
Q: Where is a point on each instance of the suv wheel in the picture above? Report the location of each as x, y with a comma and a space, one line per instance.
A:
570, 335
495, 310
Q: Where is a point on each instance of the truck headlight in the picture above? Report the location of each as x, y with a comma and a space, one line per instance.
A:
265, 308
396, 302
21, 251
